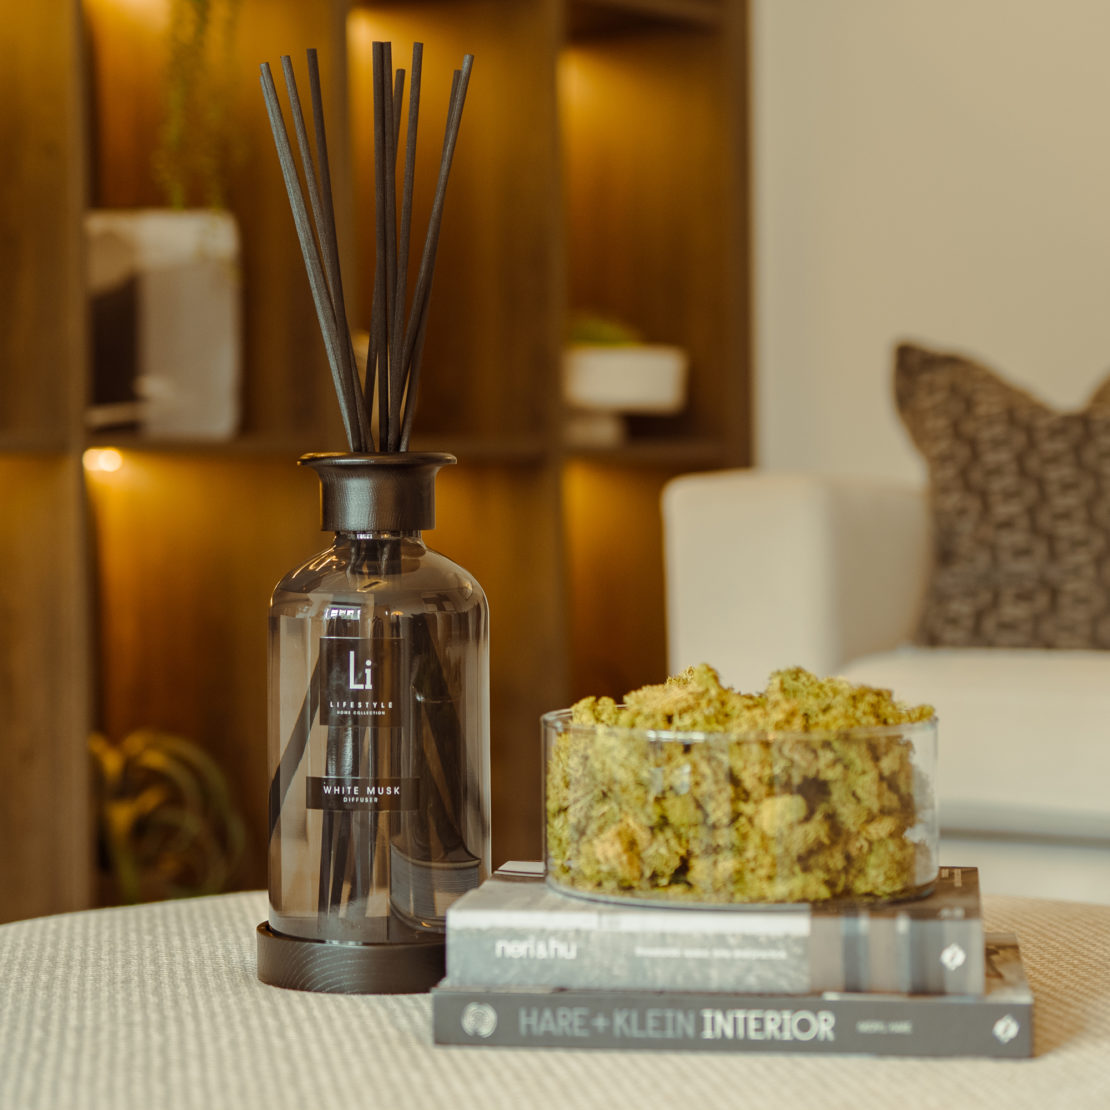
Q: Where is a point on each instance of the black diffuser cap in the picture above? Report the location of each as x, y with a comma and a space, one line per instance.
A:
392, 492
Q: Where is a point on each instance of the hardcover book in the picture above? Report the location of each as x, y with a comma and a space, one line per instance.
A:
998, 1022
515, 930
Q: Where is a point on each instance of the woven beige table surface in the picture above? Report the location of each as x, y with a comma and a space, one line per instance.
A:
158, 1006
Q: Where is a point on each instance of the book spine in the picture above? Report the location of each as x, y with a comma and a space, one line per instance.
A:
835, 953
873, 1025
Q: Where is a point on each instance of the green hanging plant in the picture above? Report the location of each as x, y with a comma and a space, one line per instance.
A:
596, 329
168, 827
196, 143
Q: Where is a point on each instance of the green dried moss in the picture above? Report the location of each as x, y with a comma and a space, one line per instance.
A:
737, 814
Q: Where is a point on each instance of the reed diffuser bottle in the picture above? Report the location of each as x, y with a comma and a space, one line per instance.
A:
379, 646
379, 704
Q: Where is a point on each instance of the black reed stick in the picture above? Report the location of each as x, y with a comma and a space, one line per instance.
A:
330, 242
391, 350
398, 107
294, 750
324, 219
379, 341
396, 347
413, 344
396, 344
407, 187
321, 295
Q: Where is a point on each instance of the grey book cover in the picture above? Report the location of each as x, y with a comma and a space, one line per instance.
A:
997, 1023
515, 929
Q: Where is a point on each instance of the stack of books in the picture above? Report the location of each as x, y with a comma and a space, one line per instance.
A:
530, 966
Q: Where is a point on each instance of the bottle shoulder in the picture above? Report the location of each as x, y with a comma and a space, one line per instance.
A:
374, 571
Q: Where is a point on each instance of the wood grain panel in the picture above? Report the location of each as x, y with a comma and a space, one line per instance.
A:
41, 200
586, 17
501, 525
288, 384
44, 769
614, 538
190, 541
650, 128
44, 811
188, 551
127, 50
495, 313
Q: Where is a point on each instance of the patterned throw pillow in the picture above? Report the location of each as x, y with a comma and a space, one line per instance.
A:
1020, 496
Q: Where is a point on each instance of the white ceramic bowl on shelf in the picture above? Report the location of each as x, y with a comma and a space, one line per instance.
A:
626, 378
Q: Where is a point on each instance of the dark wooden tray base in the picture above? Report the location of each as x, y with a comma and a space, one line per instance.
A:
313, 965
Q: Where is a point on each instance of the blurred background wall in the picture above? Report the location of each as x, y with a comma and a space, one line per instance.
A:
934, 172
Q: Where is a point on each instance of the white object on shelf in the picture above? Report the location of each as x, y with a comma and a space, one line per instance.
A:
584, 428
629, 378
164, 287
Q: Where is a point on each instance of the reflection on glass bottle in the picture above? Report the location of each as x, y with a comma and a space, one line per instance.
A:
379, 717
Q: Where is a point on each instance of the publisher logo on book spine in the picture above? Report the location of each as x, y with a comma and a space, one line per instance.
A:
479, 1019
953, 957
1006, 1029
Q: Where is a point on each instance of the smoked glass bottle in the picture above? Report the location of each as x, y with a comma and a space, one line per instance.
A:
378, 739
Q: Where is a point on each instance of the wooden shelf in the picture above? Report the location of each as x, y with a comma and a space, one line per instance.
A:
592, 17
601, 165
484, 451
45, 685
31, 442
667, 452
278, 445
670, 453
620, 13
508, 452
495, 317
652, 227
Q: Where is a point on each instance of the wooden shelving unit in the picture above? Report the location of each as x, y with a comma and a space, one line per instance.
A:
44, 588
601, 166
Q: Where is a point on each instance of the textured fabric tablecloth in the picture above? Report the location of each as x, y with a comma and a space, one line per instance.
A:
158, 1007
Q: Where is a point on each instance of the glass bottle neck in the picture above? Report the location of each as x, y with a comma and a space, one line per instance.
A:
363, 537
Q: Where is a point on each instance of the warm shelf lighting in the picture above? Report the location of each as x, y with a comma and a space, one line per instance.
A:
102, 460
149, 11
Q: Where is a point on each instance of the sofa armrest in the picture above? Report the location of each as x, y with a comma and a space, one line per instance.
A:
766, 570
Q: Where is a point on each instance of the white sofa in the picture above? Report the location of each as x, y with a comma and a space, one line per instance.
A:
766, 570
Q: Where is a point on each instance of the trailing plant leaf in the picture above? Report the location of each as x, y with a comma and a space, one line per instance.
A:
196, 142
594, 329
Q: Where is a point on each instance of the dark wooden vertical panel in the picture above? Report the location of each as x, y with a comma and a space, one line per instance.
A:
41, 201
44, 781
495, 312
651, 128
499, 522
614, 544
44, 772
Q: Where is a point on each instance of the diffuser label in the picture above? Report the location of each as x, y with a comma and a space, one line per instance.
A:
339, 792
361, 681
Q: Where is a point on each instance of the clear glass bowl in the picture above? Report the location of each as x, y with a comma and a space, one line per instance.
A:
718, 819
